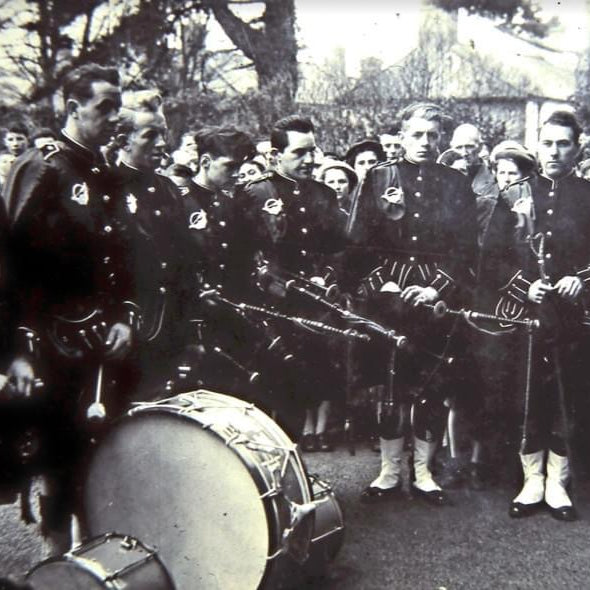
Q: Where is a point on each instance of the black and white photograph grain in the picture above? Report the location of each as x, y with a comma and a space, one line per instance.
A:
294, 294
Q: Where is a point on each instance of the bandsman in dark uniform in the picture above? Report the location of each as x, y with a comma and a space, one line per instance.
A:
219, 252
413, 234
160, 245
297, 228
552, 285
76, 312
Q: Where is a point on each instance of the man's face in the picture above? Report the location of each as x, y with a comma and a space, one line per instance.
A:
392, 145
364, 161
468, 145
220, 172
420, 138
507, 172
557, 150
297, 159
96, 117
16, 143
146, 144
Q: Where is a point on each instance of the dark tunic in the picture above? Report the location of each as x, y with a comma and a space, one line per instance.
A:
560, 247
298, 229
432, 244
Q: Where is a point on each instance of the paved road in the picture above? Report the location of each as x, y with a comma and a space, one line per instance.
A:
471, 545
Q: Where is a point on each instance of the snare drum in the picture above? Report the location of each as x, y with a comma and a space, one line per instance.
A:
109, 562
213, 483
328, 533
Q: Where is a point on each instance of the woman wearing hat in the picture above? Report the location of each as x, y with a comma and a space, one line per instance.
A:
340, 177
511, 162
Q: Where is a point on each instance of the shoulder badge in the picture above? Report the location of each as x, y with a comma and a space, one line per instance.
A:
50, 149
80, 193
198, 220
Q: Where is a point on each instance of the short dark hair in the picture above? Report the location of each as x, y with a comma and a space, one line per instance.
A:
225, 141
393, 130
78, 82
17, 127
278, 136
565, 119
44, 132
424, 110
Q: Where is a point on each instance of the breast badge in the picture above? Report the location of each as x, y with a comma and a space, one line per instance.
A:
80, 194
197, 220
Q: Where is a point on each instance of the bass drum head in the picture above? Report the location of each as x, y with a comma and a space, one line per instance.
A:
171, 483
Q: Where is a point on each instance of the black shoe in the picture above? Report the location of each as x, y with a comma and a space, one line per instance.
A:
323, 443
436, 497
373, 495
452, 475
519, 510
308, 443
565, 513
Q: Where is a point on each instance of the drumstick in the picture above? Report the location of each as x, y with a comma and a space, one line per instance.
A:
96, 411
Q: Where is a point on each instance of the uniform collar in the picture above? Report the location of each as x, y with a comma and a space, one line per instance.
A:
555, 181
82, 151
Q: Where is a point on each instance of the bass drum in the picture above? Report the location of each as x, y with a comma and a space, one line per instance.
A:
108, 562
213, 483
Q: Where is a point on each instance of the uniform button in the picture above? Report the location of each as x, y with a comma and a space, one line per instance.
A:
162, 290
297, 192
106, 259
549, 211
163, 265
549, 234
303, 252
222, 266
417, 194
551, 194
419, 178
218, 286
303, 230
207, 286
151, 189
224, 245
414, 238
157, 213
417, 215
302, 273
222, 223
548, 256
106, 198
412, 259
95, 170
108, 229
216, 203
302, 209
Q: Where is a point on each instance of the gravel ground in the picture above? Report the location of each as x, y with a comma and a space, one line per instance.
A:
406, 544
